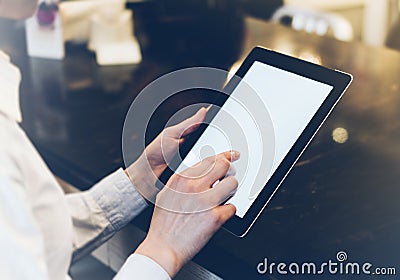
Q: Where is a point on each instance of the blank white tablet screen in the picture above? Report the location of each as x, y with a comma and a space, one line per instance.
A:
291, 100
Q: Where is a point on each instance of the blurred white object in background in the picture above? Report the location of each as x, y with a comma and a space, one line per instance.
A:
76, 18
371, 19
110, 22
377, 19
320, 23
105, 24
325, 5
44, 33
118, 53
111, 34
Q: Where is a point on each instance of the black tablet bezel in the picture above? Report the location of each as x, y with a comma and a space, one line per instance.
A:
338, 80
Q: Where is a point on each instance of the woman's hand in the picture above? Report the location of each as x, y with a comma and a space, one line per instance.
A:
145, 171
175, 237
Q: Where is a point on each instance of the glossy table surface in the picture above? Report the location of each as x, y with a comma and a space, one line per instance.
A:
339, 196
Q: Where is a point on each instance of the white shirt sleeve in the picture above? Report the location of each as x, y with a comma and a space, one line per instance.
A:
97, 214
21, 242
140, 267
100, 212
35, 229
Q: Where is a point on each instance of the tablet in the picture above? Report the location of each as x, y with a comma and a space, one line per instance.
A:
269, 114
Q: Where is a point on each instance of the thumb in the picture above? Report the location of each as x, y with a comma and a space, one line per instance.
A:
189, 125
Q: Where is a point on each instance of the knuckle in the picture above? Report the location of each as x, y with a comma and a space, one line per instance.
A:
211, 160
185, 184
176, 181
175, 177
230, 213
222, 156
215, 217
224, 163
234, 181
168, 131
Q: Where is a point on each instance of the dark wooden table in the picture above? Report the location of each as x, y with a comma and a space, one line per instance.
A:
339, 197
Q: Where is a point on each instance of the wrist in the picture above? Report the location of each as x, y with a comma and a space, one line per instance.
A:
161, 254
142, 178
139, 172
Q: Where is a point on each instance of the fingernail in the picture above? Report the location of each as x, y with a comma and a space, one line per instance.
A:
235, 155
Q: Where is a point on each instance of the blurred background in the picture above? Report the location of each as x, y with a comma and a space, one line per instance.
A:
84, 62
